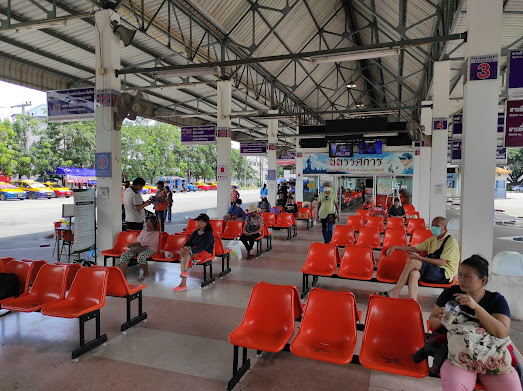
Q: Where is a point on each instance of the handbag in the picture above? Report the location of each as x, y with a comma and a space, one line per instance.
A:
473, 348
236, 250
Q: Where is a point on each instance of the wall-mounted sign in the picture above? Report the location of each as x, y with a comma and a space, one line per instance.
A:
70, 105
221, 174
515, 73
483, 67
108, 98
198, 135
223, 132
457, 126
439, 123
84, 220
253, 149
456, 152
501, 130
271, 175
514, 123
272, 147
103, 164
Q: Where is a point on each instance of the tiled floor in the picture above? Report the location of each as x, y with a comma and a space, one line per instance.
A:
184, 345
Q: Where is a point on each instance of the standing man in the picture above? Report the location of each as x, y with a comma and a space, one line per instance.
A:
161, 200
169, 204
184, 188
234, 195
327, 211
134, 205
284, 190
264, 192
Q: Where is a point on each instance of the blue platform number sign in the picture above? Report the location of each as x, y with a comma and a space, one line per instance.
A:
271, 175
439, 123
103, 164
484, 67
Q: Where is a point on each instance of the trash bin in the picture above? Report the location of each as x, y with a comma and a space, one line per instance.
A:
507, 279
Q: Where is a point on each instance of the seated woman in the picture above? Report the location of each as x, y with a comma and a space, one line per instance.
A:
369, 204
281, 201
199, 247
146, 244
490, 310
396, 210
264, 205
251, 230
235, 212
291, 206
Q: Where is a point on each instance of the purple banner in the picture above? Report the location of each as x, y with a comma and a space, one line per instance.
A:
501, 129
484, 67
514, 123
515, 73
253, 149
198, 135
439, 123
456, 152
70, 105
271, 175
290, 155
457, 126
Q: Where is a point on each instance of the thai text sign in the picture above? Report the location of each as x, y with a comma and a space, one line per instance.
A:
198, 135
515, 73
483, 67
457, 126
253, 149
84, 220
70, 105
514, 123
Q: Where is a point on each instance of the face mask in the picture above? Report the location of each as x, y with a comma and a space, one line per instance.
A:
327, 188
436, 231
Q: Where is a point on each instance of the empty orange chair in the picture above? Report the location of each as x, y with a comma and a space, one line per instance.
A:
268, 237
305, 214
72, 269
224, 253
4, 261
343, 235
269, 219
357, 263
375, 222
217, 226
395, 223
369, 237
393, 332
192, 225
173, 244
85, 298
419, 236
48, 288
328, 327
286, 221
395, 237
409, 209
23, 272
36, 268
365, 213
120, 245
355, 221
322, 260
391, 267
233, 229
413, 224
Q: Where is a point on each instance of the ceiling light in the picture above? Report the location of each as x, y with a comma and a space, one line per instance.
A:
382, 134
187, 72
353, 56
360, 104
351, 84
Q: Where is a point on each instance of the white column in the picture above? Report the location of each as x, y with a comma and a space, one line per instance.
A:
415, 179
423, 168
299, 169
107, 57
223, 147
272, 132
478, 154
438, 161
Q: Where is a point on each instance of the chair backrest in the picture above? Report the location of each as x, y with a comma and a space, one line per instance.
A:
369, 237
162, 241
174, 243
50, 282
265, 230
233, 229
269, 219
306, 210
375, 222
413, 224
217, 226
322, 259
116, 283
89, 286
343, 235
409, 209
285, 219
218, 246
357, 263
395, 237
395, 223
36, 268
192, 225
390, 267
364, 213
72, 269
300, 204
123, 239
419, 236
4, 261
355, 221
23, 272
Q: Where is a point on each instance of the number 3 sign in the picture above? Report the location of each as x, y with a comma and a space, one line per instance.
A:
484, 67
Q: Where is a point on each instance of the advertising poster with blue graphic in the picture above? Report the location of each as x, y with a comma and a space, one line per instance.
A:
399, 163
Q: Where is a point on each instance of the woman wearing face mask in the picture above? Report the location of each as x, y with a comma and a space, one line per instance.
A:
439, 266
327, 211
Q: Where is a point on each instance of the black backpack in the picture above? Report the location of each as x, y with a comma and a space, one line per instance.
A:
9, 285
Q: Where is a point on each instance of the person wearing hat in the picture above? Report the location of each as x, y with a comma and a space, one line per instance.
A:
406, 160
327, 211
200, 246
161, 202
252, 229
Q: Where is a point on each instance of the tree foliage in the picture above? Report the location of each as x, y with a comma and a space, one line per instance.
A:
515, 164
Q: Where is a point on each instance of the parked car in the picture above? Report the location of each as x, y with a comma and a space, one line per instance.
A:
517, 188
191, 187
60, 191
213, 185
202, 186
10, 192
34, 189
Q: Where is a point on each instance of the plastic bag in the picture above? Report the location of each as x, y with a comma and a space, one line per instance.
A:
236, 252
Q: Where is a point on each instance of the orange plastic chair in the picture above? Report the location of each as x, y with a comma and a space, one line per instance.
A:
355, 221
343, 235
375, 222
36, 268
369, 237
419, 236
413, 224
286, 221
365, 213
395, 237
224, 253
328, 327
305, 214
269, 219
357, 263
23, 272
86, 297
409, 209
217, 226
300, 204
233, 229
120, 245
393, 332
322, 260
72, 269
48, 288
192, 225
173, 244
395, 223
4, 261
435, 285
268, 237
391, 267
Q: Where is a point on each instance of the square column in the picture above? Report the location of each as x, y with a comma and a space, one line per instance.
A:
299, 169
438, 161
480, 111
423, 168
108, 205
272, 133
223, 147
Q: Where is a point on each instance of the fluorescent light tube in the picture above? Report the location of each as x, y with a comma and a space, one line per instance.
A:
354, 56
187, 72
351, 84
382, 134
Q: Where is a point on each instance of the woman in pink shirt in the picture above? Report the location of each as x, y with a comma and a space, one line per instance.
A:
146, 245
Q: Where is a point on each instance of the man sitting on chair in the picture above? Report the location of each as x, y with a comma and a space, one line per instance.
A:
438, 267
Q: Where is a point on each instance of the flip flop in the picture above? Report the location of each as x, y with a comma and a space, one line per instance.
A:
184, 274
180, 288
385, 294
141, 278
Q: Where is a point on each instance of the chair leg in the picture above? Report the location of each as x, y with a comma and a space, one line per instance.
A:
259, 249
289, 233
99, 340
224, 270
211, 278
237, 374
305, 289
269, 243
295, 230
137, 319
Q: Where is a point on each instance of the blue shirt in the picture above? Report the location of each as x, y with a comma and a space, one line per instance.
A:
264, 192
235, 210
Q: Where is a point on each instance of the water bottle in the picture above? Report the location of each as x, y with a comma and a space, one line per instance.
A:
452, 310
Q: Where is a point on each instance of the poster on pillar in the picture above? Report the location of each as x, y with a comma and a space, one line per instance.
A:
253, 149
439, 123
483, 67
70, 105
198, 135
223, 132
221, 174
515, 73
501, 130
514, 123
84, 220
456, 153
457, 126
399, 163
287, 157
103, 164
271, 175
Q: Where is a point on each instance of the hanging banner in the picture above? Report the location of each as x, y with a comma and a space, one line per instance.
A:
84, 220
456, 153
198, 135
501, 155
457, 126
483, 67
515, 73
70, 105
400, 163
514, 123
501, 130
253, 149
439, 123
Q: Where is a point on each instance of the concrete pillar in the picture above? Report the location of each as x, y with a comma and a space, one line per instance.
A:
415, 178
223, 147
107, 57
423, 168
438, 161
299, 170
480, 111
272, 132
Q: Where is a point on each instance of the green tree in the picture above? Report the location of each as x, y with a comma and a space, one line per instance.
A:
515, 164
8, 149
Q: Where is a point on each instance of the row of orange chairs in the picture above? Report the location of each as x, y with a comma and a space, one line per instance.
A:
360, 221
369, 236
393, 330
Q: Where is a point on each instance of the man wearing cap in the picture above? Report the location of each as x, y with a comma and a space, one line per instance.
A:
327, 211
406, 160
161, 202
252, 229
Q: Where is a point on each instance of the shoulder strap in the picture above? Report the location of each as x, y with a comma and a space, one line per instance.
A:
440, 250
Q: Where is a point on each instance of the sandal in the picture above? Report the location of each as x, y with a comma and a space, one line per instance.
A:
143, 277
184, 274
180, 288
384, 294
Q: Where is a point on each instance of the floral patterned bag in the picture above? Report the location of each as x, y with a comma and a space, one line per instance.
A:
473, 348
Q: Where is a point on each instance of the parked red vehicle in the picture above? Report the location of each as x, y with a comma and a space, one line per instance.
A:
202, 186
213, 185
